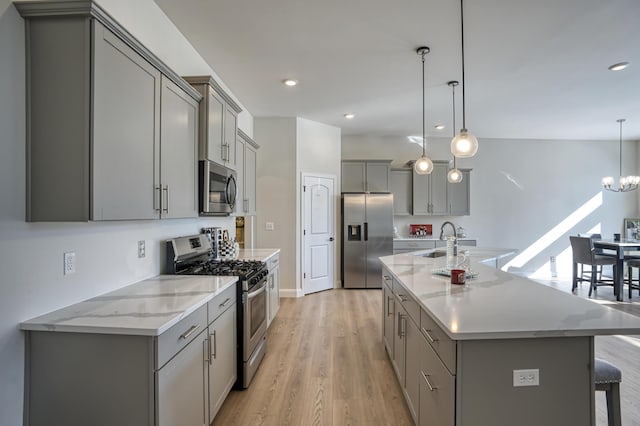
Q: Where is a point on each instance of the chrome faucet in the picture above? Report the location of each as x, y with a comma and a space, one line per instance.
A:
455, 241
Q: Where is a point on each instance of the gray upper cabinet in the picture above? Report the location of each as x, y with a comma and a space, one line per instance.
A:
95, 132
430, 191
459, 195
178, 172
218, 122
365, 176
401, 185
246, 156
434, 195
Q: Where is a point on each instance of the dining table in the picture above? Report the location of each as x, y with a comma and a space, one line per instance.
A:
621, 247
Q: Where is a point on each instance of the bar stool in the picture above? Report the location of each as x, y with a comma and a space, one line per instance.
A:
584, 253
633, 263
608, 378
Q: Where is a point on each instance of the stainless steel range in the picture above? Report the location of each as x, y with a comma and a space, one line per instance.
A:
192, 255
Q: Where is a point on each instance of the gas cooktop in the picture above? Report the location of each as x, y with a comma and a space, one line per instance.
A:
243, 268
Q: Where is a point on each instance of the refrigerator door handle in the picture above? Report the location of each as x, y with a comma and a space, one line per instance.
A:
366, 231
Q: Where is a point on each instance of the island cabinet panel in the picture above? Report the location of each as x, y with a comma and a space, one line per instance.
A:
94, 102
485, 393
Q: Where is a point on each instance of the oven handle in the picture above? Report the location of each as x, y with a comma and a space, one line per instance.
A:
262, 289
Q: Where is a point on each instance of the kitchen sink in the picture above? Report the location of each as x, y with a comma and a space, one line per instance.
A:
436, 253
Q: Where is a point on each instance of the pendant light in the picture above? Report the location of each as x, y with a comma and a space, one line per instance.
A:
464, 144
423, 165
454, 175
626, 183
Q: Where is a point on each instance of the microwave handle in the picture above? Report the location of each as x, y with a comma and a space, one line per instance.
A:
231, 197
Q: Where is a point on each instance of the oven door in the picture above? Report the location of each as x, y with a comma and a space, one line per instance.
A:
255, 318
218, 189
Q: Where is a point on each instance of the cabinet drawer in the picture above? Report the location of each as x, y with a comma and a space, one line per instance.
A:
438, 339
436, 389
407, 302
221, 302
273, 262
414, 245
174, 339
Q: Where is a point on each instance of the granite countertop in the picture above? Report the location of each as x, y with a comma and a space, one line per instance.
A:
498, 305
146, 308
262, 254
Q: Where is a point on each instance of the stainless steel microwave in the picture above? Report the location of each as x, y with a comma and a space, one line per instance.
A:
218, 189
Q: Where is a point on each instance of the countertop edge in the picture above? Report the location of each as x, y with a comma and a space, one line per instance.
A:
34, 325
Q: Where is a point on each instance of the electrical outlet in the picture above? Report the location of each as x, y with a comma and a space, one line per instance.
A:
269, 226
70, 263
530, 377
142, 252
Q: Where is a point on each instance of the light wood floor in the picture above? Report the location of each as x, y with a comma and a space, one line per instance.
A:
326, 365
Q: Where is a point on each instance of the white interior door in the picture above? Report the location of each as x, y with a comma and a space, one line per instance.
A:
318, 233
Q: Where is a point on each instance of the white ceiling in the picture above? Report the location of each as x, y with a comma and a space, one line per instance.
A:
534, 69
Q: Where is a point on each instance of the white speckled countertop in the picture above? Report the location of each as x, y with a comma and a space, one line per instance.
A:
263, 254
498, 305
146, 308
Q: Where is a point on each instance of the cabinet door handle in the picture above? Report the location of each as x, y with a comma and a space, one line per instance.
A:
165, 199
389, 299
223, 304
404, 326
157, 194
398, 331
207, 350
402, 297
426, 379
426, 333
215, 346
189, 332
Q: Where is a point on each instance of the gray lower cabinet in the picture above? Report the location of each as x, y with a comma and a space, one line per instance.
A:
218, 122
96, 101
436, 388
246, 157
180, 400
222, 371
180, 377
273, 288
388, 315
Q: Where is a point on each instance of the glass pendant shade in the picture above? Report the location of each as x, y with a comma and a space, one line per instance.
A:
423, 165
454, 176
464, 144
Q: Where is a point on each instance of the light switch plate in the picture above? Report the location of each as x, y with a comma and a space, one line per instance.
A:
142, 252
269, 226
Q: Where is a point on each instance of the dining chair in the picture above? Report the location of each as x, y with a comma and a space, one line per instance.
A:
585, 254
633, 263
597, 251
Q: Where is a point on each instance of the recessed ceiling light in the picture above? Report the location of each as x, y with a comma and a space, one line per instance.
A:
349, 116
619, 66
290, 82
439, 126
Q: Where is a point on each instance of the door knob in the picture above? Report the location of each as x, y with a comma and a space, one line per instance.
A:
330, 238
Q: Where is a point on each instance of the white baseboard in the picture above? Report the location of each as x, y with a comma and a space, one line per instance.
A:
290, 292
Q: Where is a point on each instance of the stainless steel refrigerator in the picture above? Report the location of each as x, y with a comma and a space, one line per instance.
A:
367, 234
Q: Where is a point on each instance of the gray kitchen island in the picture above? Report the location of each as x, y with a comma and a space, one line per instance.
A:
499, 350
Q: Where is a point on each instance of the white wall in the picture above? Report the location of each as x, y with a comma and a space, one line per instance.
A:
276, 193
319, 152
525, 191
288, 148
31, 279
